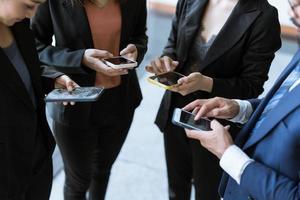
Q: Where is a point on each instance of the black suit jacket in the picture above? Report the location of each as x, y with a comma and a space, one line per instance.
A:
70, 27
240, 57
20, 121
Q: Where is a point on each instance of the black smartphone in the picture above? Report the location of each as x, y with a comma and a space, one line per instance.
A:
186, 120
79, 94
166, 80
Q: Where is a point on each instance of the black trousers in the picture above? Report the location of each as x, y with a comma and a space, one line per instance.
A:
40, 187
189, 163
89, 154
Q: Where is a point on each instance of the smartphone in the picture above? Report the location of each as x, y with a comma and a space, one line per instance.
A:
186, 120
120, 62
79, 94
166, 80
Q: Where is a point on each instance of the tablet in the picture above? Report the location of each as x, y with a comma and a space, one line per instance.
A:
79, 94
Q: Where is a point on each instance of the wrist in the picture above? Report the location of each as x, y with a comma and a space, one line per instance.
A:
207, 84
221, 152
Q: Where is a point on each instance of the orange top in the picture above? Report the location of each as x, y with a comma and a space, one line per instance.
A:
105, 24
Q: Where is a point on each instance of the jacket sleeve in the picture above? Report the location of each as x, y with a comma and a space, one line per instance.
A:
48, 78
67, 60
170, 48
139, 38
264, 41
254, 103
262, 182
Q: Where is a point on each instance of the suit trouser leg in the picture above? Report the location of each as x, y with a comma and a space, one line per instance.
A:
76, 146
110, 141
206, 173
88, 155
179, 163
187, 160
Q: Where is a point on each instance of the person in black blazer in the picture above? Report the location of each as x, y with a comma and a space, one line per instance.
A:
26, 142
225, 49
90, 135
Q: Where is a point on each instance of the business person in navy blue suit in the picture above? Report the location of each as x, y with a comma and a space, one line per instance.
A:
264, 161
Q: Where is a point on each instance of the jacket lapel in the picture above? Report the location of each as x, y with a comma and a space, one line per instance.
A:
242, 16
126, 8
12, 80
287, 104
80, 20
244, 134
27, 49
195, 9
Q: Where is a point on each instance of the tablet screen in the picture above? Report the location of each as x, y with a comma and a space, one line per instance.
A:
77, 95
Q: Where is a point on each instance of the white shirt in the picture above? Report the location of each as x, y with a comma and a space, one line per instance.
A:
234, 154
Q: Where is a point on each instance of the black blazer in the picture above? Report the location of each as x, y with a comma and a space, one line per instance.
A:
70, 27
20, 121
240, 57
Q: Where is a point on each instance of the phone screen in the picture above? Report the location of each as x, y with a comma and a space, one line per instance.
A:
119, 61
168, 79
188, 118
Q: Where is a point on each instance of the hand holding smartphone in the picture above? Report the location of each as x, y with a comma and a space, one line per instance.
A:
186, 120
166, 80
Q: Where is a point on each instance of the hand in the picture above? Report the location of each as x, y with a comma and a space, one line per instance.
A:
216, 107
93, 59
130, 52
66, 83
194, 82
216, 141
161, 65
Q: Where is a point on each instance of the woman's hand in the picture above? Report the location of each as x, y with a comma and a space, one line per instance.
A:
161, 65
130, 52
66, 83
194, 82
93, 59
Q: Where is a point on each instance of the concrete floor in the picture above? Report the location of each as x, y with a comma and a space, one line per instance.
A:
139, 172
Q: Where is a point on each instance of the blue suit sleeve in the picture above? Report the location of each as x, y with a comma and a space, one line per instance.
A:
261, 182
254, 103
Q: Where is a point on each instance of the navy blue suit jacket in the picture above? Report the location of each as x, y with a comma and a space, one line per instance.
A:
275, 147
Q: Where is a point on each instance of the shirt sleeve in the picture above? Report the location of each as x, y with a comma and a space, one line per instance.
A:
234, 161
245, 112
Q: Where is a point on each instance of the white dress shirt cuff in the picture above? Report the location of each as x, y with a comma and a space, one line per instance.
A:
234, 161
244, 113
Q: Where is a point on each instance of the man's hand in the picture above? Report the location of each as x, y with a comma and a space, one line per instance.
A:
192, 83
162, 65
216, 107
66, 83
216, 141
130, 52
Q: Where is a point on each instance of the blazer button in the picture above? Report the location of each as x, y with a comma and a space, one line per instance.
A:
250, 198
